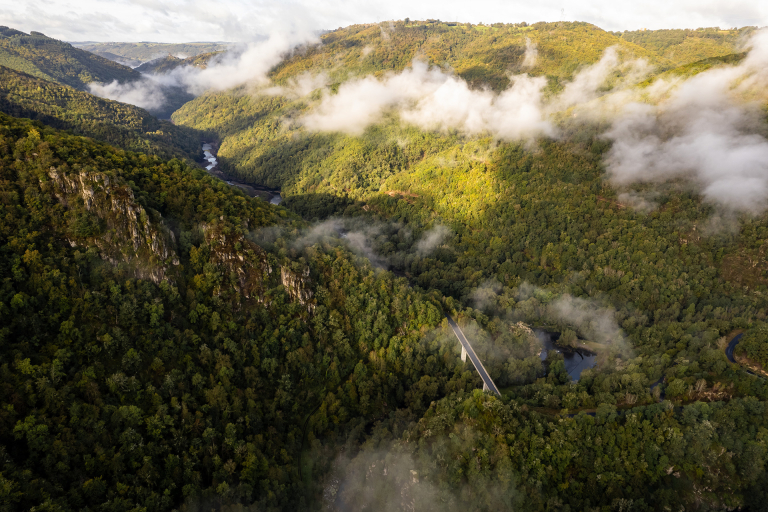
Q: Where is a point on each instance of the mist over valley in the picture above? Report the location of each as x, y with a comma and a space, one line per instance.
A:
402, 264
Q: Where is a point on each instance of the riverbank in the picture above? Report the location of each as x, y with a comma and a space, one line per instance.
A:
211, 164
729, 349
576, 359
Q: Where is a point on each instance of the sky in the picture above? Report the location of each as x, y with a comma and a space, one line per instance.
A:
246, 20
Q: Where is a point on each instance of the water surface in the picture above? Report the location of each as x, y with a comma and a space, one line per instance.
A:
575, 361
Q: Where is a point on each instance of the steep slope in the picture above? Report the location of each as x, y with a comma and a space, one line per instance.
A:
132, 287
119, 124
505, 218
687, 46
295, 378
482, 55
169, 343
44, 57
694, 68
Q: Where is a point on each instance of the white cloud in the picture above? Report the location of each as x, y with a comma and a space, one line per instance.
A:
704, 133
531, 54
300, 86
584, 86
433, 99
239, 20
146, 93
360, 103
515, 113
431, 240
248, 66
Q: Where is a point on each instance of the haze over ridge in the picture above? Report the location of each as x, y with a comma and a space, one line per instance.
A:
237, 20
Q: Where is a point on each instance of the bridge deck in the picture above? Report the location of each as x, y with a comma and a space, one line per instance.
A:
473, 357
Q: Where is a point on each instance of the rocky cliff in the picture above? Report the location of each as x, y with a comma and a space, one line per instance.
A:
244, 262
125, 233
297, 286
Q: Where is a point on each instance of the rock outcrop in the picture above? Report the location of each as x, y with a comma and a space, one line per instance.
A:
297, 286
239, 258
128, 233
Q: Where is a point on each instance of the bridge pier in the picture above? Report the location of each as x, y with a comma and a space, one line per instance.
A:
468, 351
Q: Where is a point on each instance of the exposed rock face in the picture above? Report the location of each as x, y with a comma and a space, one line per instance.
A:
297, 286
130, 236
239, 257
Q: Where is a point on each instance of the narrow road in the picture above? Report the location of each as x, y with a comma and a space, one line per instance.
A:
471, 353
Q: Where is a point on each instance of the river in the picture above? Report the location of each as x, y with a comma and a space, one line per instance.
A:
266, 193
575, 361
729, 355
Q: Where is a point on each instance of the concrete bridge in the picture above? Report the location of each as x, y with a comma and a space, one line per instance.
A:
466, 350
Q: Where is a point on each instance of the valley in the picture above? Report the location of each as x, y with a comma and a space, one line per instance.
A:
211, 165
268, 301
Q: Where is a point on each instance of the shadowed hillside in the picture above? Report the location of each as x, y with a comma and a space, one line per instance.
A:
44, 57
565, 194
119, 124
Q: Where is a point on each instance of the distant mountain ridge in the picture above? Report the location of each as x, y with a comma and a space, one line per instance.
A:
683, 46
39, 55
146, 51
169, 63
119, 124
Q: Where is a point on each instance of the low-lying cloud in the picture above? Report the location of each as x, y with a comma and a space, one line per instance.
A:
145, 93
706, 133
433, 99
300, 86
595, 322
250, 65
431, 239
392, 479
363, 237
531, 54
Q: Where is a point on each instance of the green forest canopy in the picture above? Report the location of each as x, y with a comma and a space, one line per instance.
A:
261, 364
41, 56
119, 124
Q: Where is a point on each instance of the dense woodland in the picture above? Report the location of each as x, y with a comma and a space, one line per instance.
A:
119, 124
686, 46
171, 344
57, 61
483, 55
168, 63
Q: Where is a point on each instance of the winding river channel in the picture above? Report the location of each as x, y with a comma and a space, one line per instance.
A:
211, 164
729, 354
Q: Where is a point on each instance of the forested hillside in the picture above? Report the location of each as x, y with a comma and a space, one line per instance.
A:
50, 59
155, 356
483, 55
119, 124
198, 375
687, 46
168, 63
527, 229
171, 344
